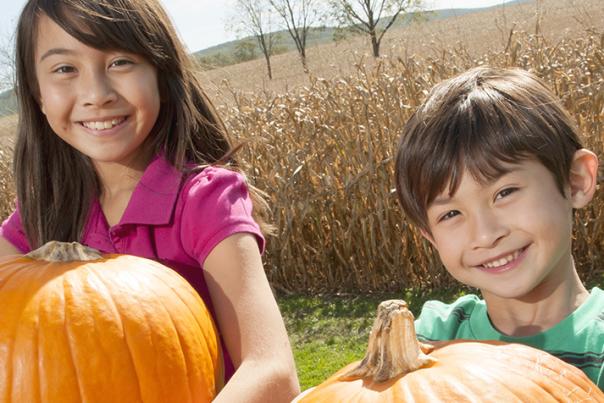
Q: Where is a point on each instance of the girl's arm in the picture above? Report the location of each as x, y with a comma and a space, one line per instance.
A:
251, 324
7, 248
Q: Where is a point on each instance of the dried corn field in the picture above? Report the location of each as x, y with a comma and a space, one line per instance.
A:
477, 32
323, 153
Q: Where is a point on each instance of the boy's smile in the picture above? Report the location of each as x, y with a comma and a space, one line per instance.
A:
504, 262
510, 237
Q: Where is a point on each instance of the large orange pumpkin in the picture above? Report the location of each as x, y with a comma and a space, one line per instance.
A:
397, 368
112, 328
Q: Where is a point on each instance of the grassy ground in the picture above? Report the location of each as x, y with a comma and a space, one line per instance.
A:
328, 332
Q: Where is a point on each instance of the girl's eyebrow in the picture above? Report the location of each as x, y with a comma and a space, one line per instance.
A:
57, 51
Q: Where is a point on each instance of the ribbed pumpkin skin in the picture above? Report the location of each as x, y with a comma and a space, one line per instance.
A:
118, 329
486, 372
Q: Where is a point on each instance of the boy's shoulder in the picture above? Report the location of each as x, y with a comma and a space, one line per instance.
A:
579, 338
443, 321
590, 315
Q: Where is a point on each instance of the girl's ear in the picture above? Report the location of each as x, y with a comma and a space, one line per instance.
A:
41, 104
583, 178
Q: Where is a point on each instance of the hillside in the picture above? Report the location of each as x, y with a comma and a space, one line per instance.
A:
223, 54
476, 33
322, 144
477, 29
8, 103
219, 56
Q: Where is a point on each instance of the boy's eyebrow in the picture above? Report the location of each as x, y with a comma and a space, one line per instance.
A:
57, 51
439, 201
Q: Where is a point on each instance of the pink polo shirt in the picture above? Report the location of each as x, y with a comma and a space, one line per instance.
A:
173, 224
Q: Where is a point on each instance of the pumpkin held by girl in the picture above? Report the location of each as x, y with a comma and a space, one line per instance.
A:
77, 326
398, 368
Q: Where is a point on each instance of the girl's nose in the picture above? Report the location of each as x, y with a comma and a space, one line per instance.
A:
487, 230
97, 90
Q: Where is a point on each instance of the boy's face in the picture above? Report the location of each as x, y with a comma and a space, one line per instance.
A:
508, 237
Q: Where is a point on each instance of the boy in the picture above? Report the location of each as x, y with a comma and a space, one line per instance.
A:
490, 168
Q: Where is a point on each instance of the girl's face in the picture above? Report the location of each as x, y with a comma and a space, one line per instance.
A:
102, 103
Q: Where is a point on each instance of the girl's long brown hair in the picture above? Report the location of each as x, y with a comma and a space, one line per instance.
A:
56, 183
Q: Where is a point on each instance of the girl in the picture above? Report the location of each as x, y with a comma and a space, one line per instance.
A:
114, 134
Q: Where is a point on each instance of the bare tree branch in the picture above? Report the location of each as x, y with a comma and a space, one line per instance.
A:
255, 18
368, 16
298, 16
7, 62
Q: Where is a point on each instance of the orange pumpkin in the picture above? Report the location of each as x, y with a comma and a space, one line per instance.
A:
397, 368
110, 328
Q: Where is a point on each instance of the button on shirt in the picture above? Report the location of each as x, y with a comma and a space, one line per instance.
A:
169, 220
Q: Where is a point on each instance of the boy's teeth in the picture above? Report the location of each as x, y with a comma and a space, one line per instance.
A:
102, 125
502, 261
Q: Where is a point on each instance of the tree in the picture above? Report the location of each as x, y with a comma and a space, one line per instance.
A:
244, 50
7, 62
213, 61
371, 17
254, 17
298, 16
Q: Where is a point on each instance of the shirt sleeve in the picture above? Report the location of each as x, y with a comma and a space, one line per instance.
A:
217, 204
12, 231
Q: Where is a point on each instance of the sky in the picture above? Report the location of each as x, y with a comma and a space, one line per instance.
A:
203, 23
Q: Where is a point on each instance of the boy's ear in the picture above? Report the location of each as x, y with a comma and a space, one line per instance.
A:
428, 236
583, 177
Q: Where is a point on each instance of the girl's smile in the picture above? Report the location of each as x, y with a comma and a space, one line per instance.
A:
101, 127
106, 129
104, 103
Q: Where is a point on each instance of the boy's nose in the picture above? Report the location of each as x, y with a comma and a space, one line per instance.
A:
97, 90
487, 230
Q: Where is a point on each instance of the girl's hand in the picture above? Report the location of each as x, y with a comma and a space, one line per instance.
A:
250, 322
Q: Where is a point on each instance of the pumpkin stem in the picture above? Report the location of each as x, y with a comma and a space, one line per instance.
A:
55, 251
393, 346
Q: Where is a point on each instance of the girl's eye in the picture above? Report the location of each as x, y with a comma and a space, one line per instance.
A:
448, 215
505, 192
64, 69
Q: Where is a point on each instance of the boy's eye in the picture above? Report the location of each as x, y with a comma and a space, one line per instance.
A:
448, 215
120, 62
505, 192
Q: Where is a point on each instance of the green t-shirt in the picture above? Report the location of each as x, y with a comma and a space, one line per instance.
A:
578, 339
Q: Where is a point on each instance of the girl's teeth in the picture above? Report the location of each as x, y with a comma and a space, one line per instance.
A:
108, 124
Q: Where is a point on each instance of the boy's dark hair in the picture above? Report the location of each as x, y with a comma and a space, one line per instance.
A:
56, 183
479, 121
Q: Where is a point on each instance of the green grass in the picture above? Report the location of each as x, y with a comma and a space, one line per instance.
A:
328, 332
